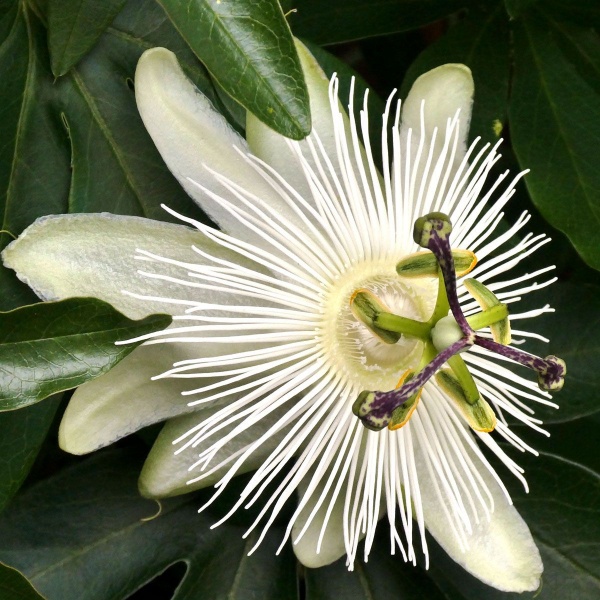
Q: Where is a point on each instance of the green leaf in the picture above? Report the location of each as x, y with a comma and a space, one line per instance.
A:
573, 331
585, 14
55, 346
563, 513
555, 125
338, 21
480, 41
34, 156
101, 542
248, 48
384, 577
74, 26
515, 7
21, 435
573, 440
116, 167
13, 586
78, 144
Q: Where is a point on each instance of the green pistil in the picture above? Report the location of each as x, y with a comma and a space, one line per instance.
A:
488, 317
403, 325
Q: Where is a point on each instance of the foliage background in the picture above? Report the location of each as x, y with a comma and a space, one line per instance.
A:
71, 141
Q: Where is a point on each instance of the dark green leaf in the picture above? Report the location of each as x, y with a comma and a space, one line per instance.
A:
78, 144
74, 26
574, 335
13, 586
248, 48
34, 154
555, 125
82, 535
39, 8
515, 7
7, 11
384, 577
338, 21
14, 292
573, 330
55, 346
585, 14
573, 440
480, 41
21, 435
116, 167
563, 513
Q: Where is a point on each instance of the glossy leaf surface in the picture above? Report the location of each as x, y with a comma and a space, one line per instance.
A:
55, 346
555, 125
248, 48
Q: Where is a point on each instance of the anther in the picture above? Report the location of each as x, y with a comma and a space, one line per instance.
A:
365, 306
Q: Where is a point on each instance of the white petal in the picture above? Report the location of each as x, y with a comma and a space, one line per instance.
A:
65, 256
332, 545
190, 134
501, 551
272, 147
445, 90
166, 474
125, 399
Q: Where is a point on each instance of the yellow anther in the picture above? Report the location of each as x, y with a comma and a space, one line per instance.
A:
402, 414
487, 300
479, 414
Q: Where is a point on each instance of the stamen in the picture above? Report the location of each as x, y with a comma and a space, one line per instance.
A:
493, 308
366, 307
424, 264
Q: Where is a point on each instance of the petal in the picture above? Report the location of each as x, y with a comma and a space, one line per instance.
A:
192, 136
332, 544
125, 399
501, 551
166, 474
444, 90
272, 147
64, 256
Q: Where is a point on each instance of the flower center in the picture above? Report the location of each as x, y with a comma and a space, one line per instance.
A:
362, 356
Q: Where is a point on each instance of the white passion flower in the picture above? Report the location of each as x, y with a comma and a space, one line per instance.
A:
317, 338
